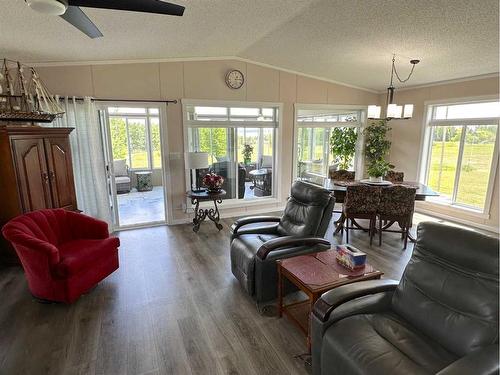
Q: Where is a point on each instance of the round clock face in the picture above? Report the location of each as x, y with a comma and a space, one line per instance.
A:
234, 79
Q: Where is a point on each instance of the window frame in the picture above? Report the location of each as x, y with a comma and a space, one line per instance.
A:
149, 145
228, 124
360, 125
429, 122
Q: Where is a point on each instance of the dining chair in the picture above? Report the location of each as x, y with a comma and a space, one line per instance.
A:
397, 204
341, 175
361, 202
395, 177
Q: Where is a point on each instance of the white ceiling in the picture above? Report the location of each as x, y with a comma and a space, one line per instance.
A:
348, 41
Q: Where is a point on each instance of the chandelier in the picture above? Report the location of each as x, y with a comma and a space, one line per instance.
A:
393, 110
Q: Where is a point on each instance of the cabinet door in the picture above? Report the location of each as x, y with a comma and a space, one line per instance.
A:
62, 186
32, 173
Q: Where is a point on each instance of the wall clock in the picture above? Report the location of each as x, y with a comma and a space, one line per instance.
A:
234, 79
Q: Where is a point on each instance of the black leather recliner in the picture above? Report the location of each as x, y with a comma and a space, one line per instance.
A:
254, 250
441, 318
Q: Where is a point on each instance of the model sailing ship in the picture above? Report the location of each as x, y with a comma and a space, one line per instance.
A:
23, 99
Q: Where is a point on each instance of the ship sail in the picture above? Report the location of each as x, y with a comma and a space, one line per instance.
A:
20, 101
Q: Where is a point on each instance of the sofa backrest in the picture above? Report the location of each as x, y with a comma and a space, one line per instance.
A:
307, 212
449, 289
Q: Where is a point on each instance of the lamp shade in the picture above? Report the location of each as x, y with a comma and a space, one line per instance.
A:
196, 160
374, 111
408, 111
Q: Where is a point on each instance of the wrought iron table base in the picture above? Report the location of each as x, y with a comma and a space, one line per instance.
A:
201, 214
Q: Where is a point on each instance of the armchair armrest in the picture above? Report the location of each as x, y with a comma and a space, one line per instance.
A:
252, 220
87, 227
289, 241
336, 297
481, 362
35, 244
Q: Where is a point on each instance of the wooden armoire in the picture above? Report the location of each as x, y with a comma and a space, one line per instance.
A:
35, 172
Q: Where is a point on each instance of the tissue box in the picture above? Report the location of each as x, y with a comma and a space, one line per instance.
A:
350, 257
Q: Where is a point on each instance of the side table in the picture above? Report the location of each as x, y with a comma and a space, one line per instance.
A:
144, 180
314, 274
201, 214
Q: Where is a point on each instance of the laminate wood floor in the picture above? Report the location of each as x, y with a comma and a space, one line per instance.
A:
173, 307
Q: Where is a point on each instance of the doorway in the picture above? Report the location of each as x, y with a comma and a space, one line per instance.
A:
134, 137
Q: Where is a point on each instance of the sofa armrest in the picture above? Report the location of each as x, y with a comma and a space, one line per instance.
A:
288, 241
336, 297
481, 362
86, 227
252, 220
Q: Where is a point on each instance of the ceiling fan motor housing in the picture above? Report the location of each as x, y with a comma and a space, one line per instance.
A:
51, 7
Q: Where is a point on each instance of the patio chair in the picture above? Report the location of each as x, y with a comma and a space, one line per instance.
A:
122, 178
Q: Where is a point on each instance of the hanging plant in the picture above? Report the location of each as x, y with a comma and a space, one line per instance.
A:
377, 148
343, 145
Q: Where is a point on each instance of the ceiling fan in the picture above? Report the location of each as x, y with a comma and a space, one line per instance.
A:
69, 10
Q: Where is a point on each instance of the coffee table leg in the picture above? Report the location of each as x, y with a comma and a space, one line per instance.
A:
280, 292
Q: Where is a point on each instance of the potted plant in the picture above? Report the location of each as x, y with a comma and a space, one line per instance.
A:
343, 146
378, 169
377, 147
247, 154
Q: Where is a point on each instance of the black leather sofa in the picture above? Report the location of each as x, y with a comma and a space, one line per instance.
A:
254, 250
441, 318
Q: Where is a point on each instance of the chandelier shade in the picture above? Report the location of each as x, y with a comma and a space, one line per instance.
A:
393, 110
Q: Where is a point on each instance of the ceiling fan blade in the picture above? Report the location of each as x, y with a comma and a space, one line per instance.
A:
77, 18
147, 6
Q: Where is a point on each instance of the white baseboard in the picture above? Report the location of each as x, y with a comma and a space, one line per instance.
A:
455, 219
246, 211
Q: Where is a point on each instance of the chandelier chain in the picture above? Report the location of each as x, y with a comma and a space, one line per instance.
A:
397, 75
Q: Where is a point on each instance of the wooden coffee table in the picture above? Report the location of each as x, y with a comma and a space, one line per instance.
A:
314, 274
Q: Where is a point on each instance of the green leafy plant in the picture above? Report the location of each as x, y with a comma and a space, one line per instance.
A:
377, 147
379, 168
343, 145
247, 154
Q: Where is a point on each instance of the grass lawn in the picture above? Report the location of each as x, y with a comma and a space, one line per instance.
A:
474, 176
140, 160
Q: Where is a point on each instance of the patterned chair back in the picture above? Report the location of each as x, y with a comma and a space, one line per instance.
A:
342, 175
397, 201
361, 199
395, 176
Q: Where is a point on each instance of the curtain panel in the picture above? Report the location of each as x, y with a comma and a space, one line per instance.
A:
88, 156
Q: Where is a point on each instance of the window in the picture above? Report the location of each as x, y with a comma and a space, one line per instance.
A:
135, 136
459, 152
224, 133
314, 135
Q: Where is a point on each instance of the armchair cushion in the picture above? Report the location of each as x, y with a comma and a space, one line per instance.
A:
454, 286
120, 167
304, 211
480, 362
380, 344
82, 254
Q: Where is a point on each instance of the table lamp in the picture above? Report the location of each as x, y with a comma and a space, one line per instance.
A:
195, 160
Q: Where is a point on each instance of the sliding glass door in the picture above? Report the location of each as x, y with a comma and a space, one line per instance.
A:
136, 179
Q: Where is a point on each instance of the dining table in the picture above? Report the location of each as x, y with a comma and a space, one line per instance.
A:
339, 189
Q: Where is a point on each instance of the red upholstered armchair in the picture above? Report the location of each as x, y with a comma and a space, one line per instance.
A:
64, 253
